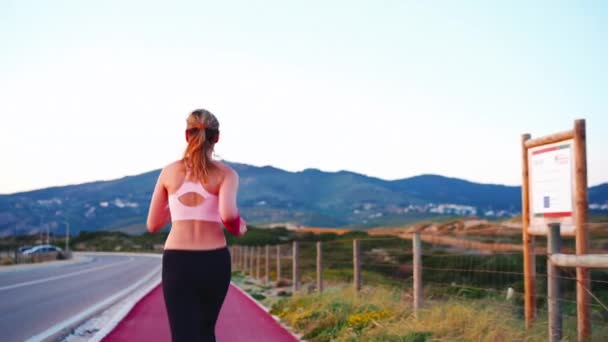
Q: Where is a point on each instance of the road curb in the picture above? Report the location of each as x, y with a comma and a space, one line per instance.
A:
124, 311
127, 304
265, 309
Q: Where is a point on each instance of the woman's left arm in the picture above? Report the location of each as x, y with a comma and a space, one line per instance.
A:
158, 214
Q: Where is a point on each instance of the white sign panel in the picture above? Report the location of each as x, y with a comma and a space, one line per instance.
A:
551, 187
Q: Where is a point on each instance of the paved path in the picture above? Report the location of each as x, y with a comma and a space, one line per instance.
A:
241, 319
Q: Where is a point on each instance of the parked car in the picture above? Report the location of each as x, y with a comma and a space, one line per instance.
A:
24, 248
42, 249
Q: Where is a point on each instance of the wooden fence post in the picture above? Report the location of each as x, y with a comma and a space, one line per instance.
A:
258, 256
553, 287
319, 267
231, 251
235, 257
231, 254
243, 256
417, 249
247, 259
278, 263
251, 260
356, 266
267, 264
295, 267
242, 261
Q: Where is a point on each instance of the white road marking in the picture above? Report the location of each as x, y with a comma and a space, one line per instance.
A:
33, 282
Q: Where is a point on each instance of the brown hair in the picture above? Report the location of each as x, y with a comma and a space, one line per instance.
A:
203, 129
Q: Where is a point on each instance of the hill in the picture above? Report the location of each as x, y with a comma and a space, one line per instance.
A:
269, 195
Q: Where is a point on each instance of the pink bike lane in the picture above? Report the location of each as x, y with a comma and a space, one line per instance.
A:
241, 319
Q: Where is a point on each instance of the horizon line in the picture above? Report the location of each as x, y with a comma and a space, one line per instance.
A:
278, 168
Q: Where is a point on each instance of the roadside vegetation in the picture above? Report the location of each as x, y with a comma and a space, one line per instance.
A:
383, 314
466, 291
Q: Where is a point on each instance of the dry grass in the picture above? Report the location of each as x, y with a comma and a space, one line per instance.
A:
320, 230
380, 314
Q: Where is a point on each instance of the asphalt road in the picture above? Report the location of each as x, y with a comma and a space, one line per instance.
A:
35, 299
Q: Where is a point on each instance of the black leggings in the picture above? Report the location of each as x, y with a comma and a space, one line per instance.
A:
195, 284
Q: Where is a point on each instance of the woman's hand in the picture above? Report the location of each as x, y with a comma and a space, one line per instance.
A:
242, 227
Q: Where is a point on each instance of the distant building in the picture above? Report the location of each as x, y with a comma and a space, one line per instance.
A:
454, 209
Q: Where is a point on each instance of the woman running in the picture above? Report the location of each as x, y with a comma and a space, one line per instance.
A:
197, 194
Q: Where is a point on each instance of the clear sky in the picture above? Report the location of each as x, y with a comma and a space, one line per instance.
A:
95, 90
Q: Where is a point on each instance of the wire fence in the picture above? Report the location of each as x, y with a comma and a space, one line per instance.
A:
448, 271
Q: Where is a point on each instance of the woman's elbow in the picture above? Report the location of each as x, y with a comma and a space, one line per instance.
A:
152, 226
151, 229
229, 213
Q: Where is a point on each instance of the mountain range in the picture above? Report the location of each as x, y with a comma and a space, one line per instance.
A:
270, 195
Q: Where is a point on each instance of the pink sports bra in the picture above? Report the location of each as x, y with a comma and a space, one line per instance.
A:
206, 211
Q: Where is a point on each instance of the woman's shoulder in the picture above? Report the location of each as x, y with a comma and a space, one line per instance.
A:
225, 169
177, 165
171, 169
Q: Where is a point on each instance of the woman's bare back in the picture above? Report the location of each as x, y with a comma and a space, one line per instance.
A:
194, 234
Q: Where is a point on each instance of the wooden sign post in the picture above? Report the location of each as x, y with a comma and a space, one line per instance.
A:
583, 280
554, 190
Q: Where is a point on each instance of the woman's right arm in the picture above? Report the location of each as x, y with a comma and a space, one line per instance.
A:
229, 212
158, 214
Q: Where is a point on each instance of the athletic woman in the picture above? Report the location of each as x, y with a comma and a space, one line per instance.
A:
198, 195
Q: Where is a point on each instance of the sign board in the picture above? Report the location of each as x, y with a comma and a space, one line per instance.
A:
551, 169
554, 190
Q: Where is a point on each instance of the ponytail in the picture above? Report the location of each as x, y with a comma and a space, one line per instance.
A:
202, 133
